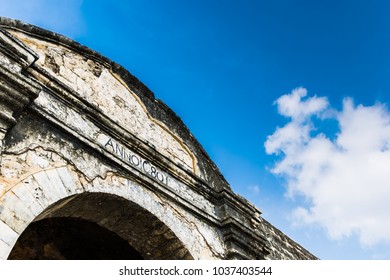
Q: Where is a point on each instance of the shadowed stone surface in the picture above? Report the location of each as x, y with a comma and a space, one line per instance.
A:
71, 239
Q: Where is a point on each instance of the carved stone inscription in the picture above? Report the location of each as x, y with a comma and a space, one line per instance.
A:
148, 168
133, 159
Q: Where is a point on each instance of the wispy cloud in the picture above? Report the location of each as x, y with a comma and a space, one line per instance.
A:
345, 176
254, 189
62, 16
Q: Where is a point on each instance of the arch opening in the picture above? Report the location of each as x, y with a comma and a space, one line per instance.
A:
97, 226
71, 239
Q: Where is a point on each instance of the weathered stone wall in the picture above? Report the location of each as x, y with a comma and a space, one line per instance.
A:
282, 247
87, 126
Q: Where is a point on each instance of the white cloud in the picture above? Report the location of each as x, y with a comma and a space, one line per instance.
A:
291, 105
347, 179
62, 16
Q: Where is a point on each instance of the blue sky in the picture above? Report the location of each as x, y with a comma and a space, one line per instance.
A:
289, 98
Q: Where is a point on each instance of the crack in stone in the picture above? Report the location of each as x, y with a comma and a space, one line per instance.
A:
184, 218
36, 147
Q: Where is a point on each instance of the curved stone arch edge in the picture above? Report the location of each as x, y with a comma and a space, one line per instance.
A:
158, 122
122, 75
25, 201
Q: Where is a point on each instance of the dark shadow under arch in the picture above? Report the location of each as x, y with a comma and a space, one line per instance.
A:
71, 239
98, 226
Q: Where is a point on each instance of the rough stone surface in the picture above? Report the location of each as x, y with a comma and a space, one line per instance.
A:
91, 148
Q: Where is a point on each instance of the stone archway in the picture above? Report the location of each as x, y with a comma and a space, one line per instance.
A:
115, 206
85, 144
73, 227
